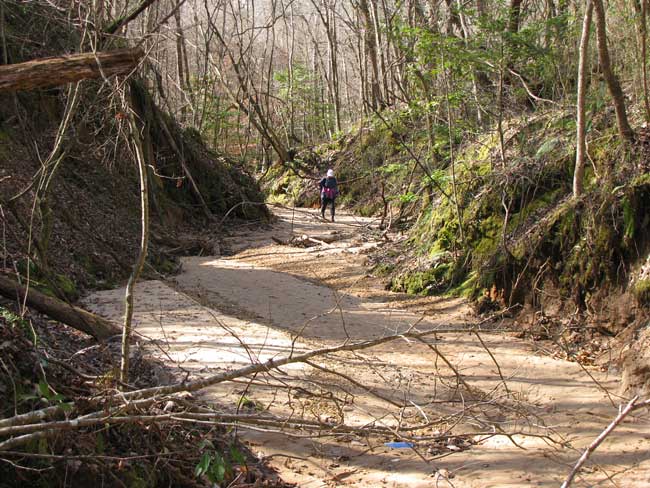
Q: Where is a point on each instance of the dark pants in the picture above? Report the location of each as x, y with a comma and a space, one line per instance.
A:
324, 203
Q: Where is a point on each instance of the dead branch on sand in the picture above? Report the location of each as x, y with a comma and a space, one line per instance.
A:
630, 407
126, 407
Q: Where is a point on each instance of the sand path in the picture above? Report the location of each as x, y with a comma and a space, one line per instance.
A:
267, 300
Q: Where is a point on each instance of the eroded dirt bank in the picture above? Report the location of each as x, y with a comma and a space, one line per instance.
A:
268, 300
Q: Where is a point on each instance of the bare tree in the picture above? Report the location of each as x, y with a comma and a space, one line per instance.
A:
624, 129
579, 172
245, 95
326, 12
370, 52
139, 155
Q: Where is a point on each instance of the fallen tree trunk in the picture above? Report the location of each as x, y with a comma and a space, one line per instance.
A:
54, 71
185, 245
65, 313
308, 241
328, 238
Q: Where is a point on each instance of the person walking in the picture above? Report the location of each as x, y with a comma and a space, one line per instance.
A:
328, 191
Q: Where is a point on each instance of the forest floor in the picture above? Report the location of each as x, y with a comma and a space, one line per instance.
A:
266, 299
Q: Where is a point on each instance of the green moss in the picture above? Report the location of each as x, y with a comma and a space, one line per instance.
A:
542, 202
4, 138
11, 318
605, 146
476, 158
433, 280
139, 477
167, 266
487, 237
468, 288
641, 292
56, 285
24, 265
629, 220
383, 269
287, 188
280, 199
641, 180
367, 210
67, 287
413, 283
567, 230
548, 148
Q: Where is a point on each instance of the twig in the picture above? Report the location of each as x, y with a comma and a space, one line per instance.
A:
18, 466
494, 360
355, 383
594, 445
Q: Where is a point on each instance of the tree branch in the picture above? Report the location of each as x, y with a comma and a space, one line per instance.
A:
598, 441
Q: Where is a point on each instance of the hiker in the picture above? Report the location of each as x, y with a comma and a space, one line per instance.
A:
328, 191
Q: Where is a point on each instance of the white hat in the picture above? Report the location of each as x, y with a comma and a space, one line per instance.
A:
330, 173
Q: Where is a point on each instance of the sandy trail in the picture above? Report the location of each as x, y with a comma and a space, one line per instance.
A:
268, 300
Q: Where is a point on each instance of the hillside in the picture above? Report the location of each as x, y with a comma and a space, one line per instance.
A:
85, 222
518, 220
71, 222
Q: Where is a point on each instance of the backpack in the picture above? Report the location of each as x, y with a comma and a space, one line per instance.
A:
329, 192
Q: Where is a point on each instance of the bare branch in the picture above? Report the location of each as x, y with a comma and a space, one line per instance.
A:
632, 405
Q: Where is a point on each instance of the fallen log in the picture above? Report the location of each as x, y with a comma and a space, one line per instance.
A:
63, 312
58, 70
309, 241
186, 246
328, 238
300, 241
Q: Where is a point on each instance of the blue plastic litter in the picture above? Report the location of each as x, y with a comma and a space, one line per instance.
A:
399, 445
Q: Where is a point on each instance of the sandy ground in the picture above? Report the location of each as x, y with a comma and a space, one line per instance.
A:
269, 300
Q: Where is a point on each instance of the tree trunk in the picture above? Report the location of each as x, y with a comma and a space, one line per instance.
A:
453, 20
327, 15
144, 239
624, 129
481, 8
181, 64
333, 50
291, 43
500, 108
644, 55
452, 162
515, 14
579, 173
370, 49
379, 53
54, 71
56, 309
